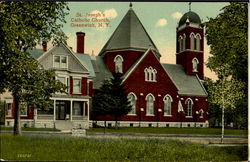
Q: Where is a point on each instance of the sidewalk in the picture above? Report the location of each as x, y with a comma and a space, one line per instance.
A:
201, 139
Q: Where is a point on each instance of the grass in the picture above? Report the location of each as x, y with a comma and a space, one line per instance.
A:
29, 129
33, 148
200, 131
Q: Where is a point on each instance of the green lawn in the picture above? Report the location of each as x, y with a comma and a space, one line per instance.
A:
201, 131
52, 148
30, 129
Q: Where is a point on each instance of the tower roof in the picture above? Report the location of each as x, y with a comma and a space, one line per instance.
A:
191, 17
130, 33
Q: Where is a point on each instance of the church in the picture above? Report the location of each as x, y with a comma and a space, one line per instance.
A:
164, 95
161, 95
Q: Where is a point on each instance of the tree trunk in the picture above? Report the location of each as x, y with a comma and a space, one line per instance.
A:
17, 125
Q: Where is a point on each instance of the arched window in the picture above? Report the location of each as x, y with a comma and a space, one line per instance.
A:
150, 104
198, 42
184, 42
132, 99
201, 113
180, 43
154, 75
150, 74
192, 41
189, 104
167, 105
118, 63
195, 63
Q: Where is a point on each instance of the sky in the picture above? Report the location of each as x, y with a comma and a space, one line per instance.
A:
160, 20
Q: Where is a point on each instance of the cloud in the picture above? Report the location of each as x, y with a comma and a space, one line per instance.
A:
176, 15
161, 22
111, 13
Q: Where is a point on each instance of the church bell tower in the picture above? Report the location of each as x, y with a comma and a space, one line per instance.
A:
190, 44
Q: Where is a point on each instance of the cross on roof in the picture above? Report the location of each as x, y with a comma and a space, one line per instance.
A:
189, 6
130, 5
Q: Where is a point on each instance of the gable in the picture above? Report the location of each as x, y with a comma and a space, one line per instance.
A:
74, 64
135, 77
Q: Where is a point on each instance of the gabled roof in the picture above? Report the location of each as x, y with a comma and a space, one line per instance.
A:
186, 84
101, 72
87, 60
35, 53
132, 68
130, 33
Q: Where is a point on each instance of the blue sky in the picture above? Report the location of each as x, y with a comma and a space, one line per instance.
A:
159, 19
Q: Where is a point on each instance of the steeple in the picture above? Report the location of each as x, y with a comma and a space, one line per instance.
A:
130, 34
189, 6
130, 5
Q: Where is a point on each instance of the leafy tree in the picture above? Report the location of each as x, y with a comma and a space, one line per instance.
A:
226, 92
111, 99
23, 25
227, 37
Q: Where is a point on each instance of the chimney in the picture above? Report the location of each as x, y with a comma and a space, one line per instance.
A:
44, 44
80, 42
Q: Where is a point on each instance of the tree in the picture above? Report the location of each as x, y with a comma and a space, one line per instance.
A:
226, 92
111, 99
227, 37
23, 25
122, 105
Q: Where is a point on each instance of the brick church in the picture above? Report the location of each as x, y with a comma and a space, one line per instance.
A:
163, 95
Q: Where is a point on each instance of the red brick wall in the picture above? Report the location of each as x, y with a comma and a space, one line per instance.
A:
129, 58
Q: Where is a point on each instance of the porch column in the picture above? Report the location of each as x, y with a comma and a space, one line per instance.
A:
71, 105
88, 110
54, 110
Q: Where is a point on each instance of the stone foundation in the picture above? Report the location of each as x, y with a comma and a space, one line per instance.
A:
150, 124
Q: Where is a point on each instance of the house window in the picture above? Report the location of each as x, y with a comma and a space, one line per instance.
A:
9, 109
60, 61
150, 105
195, 63
76, 85
63, 80
198, 40
189, 104
132, 99
167, 105
118, 64
192, 41
77, 108
23, 109
150, 74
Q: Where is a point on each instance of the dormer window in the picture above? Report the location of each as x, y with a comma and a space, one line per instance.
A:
150, 74
118, 64
60, 61
195, 63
